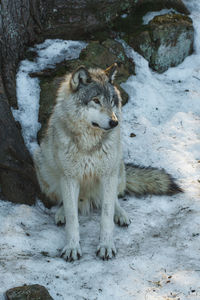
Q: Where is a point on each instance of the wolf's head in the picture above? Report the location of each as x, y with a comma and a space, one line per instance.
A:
98, 99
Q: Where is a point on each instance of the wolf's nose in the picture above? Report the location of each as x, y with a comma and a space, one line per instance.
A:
113, 123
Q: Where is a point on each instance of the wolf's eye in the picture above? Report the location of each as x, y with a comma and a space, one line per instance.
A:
96, 100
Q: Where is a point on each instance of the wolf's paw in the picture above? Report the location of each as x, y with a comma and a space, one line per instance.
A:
71, 254
60, 216
122, 219
106, 251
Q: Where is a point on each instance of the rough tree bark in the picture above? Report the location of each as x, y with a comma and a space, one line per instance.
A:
25, 22
20, 27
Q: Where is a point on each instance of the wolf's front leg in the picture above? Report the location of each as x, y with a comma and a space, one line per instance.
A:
70, 192
106, 248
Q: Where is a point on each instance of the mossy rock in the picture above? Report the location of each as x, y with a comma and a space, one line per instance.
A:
171, 18
95, 55
165, 42
28, 292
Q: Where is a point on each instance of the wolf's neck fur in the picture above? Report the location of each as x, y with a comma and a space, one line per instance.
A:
86, 138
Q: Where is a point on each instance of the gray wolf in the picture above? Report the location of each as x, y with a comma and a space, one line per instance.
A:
79, 163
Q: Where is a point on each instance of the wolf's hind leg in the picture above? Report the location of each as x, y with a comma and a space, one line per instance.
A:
60, 216
120, 216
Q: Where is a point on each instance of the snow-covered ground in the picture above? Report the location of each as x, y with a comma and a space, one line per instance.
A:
158, 255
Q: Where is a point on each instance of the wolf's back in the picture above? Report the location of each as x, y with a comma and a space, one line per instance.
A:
141, 181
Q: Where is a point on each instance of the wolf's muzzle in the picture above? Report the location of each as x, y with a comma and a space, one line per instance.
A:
113, 122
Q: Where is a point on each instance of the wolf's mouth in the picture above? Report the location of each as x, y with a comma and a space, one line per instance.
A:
95, 124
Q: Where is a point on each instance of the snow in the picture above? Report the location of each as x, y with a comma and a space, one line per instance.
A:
158, 254
124, 16
150, 15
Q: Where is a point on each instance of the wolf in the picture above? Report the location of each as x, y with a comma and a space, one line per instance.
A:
79, 163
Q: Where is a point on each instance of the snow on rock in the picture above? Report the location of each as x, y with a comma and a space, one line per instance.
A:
166, 41
158, 254
150, 15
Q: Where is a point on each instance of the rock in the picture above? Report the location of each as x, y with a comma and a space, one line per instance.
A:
28, 292
77, 19
173, 37
165, 42
94, 55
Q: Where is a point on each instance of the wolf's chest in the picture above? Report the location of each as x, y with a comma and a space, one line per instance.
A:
93, 165
89, 162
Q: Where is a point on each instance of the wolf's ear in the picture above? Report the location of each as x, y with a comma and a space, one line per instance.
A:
111, 72
80, 75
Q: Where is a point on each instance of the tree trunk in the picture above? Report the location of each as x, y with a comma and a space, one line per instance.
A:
20, 27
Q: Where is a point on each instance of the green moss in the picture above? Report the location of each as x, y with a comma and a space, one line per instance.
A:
163, 19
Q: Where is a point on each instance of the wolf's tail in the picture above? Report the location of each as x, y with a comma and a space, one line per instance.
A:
141, 181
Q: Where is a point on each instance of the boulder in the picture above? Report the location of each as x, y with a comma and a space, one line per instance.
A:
28, 292
165, 42
95, 55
